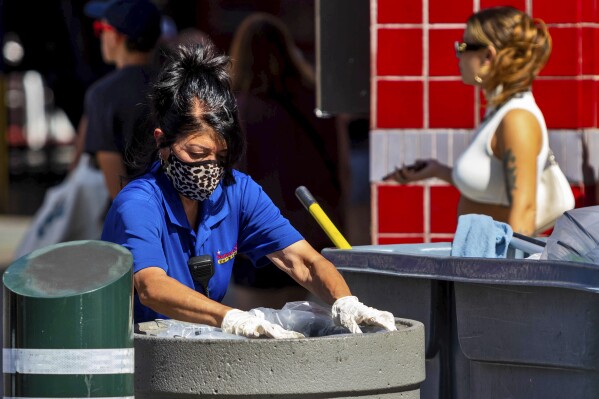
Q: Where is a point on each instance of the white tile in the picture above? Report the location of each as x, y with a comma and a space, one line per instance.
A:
397, 148
442, 143
411, 146
566, 145
427, 145
590, 166
379, 154
460, 141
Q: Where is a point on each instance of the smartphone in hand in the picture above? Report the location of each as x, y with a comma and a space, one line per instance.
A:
418, 166
390, 175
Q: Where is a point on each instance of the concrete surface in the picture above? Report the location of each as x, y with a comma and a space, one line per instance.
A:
12, 230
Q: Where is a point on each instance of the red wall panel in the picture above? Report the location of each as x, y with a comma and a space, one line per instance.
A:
443, 11
399, 11
441, 53
451, 105
590, 56
400, 209
519, 4
565, 57
444, 206
557, 11
550, 95
399, 52
399, 104
414, 61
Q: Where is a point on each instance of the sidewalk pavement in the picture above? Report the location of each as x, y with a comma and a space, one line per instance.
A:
12, 230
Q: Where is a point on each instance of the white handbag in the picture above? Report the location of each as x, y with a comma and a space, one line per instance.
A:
554, 195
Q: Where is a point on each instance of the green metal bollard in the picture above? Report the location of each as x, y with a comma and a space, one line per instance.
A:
68, 322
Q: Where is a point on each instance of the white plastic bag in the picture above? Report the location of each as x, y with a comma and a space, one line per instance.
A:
72, 210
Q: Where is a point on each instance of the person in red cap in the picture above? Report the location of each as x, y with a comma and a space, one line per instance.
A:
115, 106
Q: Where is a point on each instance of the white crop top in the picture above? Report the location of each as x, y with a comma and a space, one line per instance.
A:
477, 173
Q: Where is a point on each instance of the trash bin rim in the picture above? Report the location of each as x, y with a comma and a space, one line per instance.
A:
407, 324
545, 273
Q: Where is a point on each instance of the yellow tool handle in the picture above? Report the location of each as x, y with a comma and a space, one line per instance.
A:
323, 220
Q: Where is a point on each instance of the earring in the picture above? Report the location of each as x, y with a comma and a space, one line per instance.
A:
478, 79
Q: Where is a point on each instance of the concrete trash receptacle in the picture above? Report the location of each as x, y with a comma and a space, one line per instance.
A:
376, 365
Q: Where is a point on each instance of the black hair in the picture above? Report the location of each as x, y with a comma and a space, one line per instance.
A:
192, 91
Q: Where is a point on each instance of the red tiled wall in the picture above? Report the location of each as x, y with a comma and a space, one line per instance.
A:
416, 85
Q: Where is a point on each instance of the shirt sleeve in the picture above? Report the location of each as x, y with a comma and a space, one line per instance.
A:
263, 230
134, 223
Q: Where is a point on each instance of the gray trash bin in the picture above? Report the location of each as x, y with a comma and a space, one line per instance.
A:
517, 328
381, 365
409, 296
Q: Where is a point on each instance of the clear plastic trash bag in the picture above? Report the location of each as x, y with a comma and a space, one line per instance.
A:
307, 318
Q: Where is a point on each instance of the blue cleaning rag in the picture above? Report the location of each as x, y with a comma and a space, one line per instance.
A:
482, 237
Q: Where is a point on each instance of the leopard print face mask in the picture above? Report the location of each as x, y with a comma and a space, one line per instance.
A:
196, 180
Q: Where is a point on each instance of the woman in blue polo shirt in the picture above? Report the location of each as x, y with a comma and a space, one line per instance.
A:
190, 202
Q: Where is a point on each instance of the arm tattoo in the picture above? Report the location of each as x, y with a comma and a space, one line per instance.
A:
509, 169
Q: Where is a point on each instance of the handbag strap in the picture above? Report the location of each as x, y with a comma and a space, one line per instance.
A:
550, 159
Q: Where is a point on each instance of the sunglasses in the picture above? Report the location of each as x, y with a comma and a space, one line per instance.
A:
462, 47
100, 27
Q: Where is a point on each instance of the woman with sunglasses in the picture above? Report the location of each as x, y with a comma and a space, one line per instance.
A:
186, 219
502, 51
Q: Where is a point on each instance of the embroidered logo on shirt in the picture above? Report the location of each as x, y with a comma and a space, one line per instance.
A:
222, 258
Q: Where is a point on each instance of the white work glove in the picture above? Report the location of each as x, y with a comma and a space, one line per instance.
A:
349, 312
245, 324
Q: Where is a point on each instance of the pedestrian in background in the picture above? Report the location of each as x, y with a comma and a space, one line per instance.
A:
287, 144
502, 51
116, 108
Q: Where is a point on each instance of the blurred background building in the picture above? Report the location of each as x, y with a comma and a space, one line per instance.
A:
421, 109
50, 56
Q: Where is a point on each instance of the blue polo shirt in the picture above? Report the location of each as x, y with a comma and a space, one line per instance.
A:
147, 217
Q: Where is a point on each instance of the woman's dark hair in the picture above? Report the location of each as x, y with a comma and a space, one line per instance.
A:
192, 92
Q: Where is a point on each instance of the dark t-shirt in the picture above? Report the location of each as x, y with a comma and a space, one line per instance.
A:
117, 109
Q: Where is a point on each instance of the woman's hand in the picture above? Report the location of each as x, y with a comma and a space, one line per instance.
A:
419, 170
349, 312
250, 325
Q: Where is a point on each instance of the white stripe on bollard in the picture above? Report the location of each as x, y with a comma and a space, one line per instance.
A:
68, 361
97, 397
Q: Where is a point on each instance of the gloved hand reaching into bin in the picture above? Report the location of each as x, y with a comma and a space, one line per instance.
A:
350, 312
347, 311
248, 325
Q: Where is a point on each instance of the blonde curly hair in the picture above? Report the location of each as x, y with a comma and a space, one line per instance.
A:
523, 47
